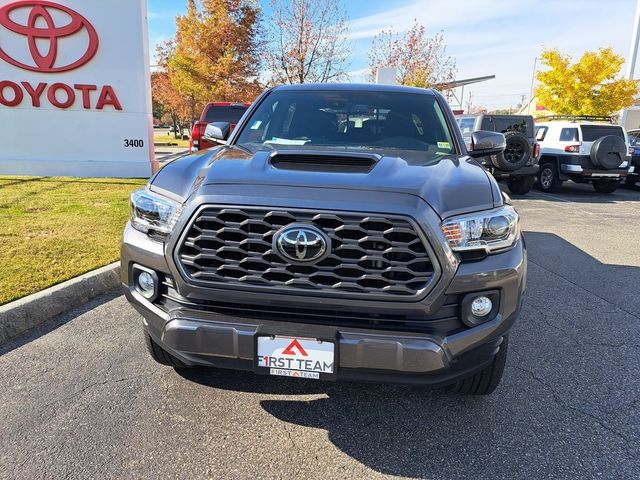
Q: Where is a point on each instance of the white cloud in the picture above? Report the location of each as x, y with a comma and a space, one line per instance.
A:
504, 37
435, 14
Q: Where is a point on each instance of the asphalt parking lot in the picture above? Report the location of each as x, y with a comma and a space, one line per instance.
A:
82, 399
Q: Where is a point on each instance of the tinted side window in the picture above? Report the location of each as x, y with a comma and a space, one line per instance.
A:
509, 124
541, 132
590, 133
466, 125
569, 135
634, 139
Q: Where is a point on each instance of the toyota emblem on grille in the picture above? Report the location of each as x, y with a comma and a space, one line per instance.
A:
301, 244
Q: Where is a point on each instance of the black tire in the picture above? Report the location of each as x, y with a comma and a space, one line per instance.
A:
160, 355
485, 381
608, 152
516, 154
521, 185
605, 186
630, 181
548, 180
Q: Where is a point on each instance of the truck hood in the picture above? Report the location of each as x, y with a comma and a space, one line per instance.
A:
452, 185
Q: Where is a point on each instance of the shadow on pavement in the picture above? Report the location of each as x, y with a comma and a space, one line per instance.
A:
561, 395
582, 193
56, 322
616, 284
241, 381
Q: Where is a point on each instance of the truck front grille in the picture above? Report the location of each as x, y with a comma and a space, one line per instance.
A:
370, 254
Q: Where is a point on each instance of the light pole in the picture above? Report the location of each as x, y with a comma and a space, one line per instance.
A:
633, 50
633, 53
533, 78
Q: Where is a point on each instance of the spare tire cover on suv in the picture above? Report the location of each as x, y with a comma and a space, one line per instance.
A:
516, 153
608, 152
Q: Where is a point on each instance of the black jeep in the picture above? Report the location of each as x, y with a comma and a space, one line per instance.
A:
518, 164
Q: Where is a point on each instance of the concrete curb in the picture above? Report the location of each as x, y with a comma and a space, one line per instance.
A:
172, 156
32, 311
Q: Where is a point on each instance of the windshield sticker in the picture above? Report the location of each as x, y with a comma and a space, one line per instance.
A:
256, 125
286, 141
445, 145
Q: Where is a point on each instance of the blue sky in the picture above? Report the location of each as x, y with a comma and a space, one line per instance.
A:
489, 37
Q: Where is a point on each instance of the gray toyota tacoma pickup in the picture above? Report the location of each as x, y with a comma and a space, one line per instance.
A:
340, 232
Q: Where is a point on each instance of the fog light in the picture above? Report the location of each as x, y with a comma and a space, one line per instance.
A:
146, 284
481, 306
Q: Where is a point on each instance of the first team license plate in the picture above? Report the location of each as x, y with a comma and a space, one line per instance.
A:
295, 356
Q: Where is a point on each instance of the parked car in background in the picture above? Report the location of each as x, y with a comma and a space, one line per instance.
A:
215, 112
584, 149
339, 233
634, 169
518, 163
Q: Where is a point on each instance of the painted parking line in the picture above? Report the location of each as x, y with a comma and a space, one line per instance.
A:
548, 195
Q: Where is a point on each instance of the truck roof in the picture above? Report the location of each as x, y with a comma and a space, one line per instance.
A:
371, 87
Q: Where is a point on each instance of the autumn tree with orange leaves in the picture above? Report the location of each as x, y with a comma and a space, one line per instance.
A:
177, 105
214, 57
170, 102
419, 61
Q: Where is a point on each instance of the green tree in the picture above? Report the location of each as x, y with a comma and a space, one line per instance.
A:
591, 86
215, 53
158, 109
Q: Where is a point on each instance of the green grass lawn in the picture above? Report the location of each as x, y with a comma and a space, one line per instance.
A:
55, 228
164, 138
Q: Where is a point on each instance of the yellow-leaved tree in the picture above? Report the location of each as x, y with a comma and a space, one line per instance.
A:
214, 56
591, 86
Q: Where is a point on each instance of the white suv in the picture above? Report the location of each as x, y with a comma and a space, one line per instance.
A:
582, 149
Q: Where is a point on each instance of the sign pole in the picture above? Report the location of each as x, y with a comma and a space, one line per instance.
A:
633, 54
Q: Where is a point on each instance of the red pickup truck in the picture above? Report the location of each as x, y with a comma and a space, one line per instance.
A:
215, 112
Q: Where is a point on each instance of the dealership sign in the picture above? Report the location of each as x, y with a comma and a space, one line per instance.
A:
74, 88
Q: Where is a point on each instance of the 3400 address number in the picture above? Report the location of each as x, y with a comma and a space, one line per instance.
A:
133, 143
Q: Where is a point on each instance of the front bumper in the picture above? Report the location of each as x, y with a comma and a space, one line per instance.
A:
435, 355
592, 173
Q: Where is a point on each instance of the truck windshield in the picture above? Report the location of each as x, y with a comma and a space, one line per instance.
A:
231, 114
408, 125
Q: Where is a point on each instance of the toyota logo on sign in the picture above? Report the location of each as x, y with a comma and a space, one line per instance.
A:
43, 25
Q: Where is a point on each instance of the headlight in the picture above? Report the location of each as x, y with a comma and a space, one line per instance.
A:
152, 213
490, 230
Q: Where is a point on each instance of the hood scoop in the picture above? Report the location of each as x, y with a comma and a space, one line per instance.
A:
310, 161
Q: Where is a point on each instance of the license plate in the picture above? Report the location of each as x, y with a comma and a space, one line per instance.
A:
295, 356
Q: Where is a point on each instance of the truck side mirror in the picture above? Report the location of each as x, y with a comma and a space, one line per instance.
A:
485, 143
217, 132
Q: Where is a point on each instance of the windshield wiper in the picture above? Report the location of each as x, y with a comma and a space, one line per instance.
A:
242, 147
